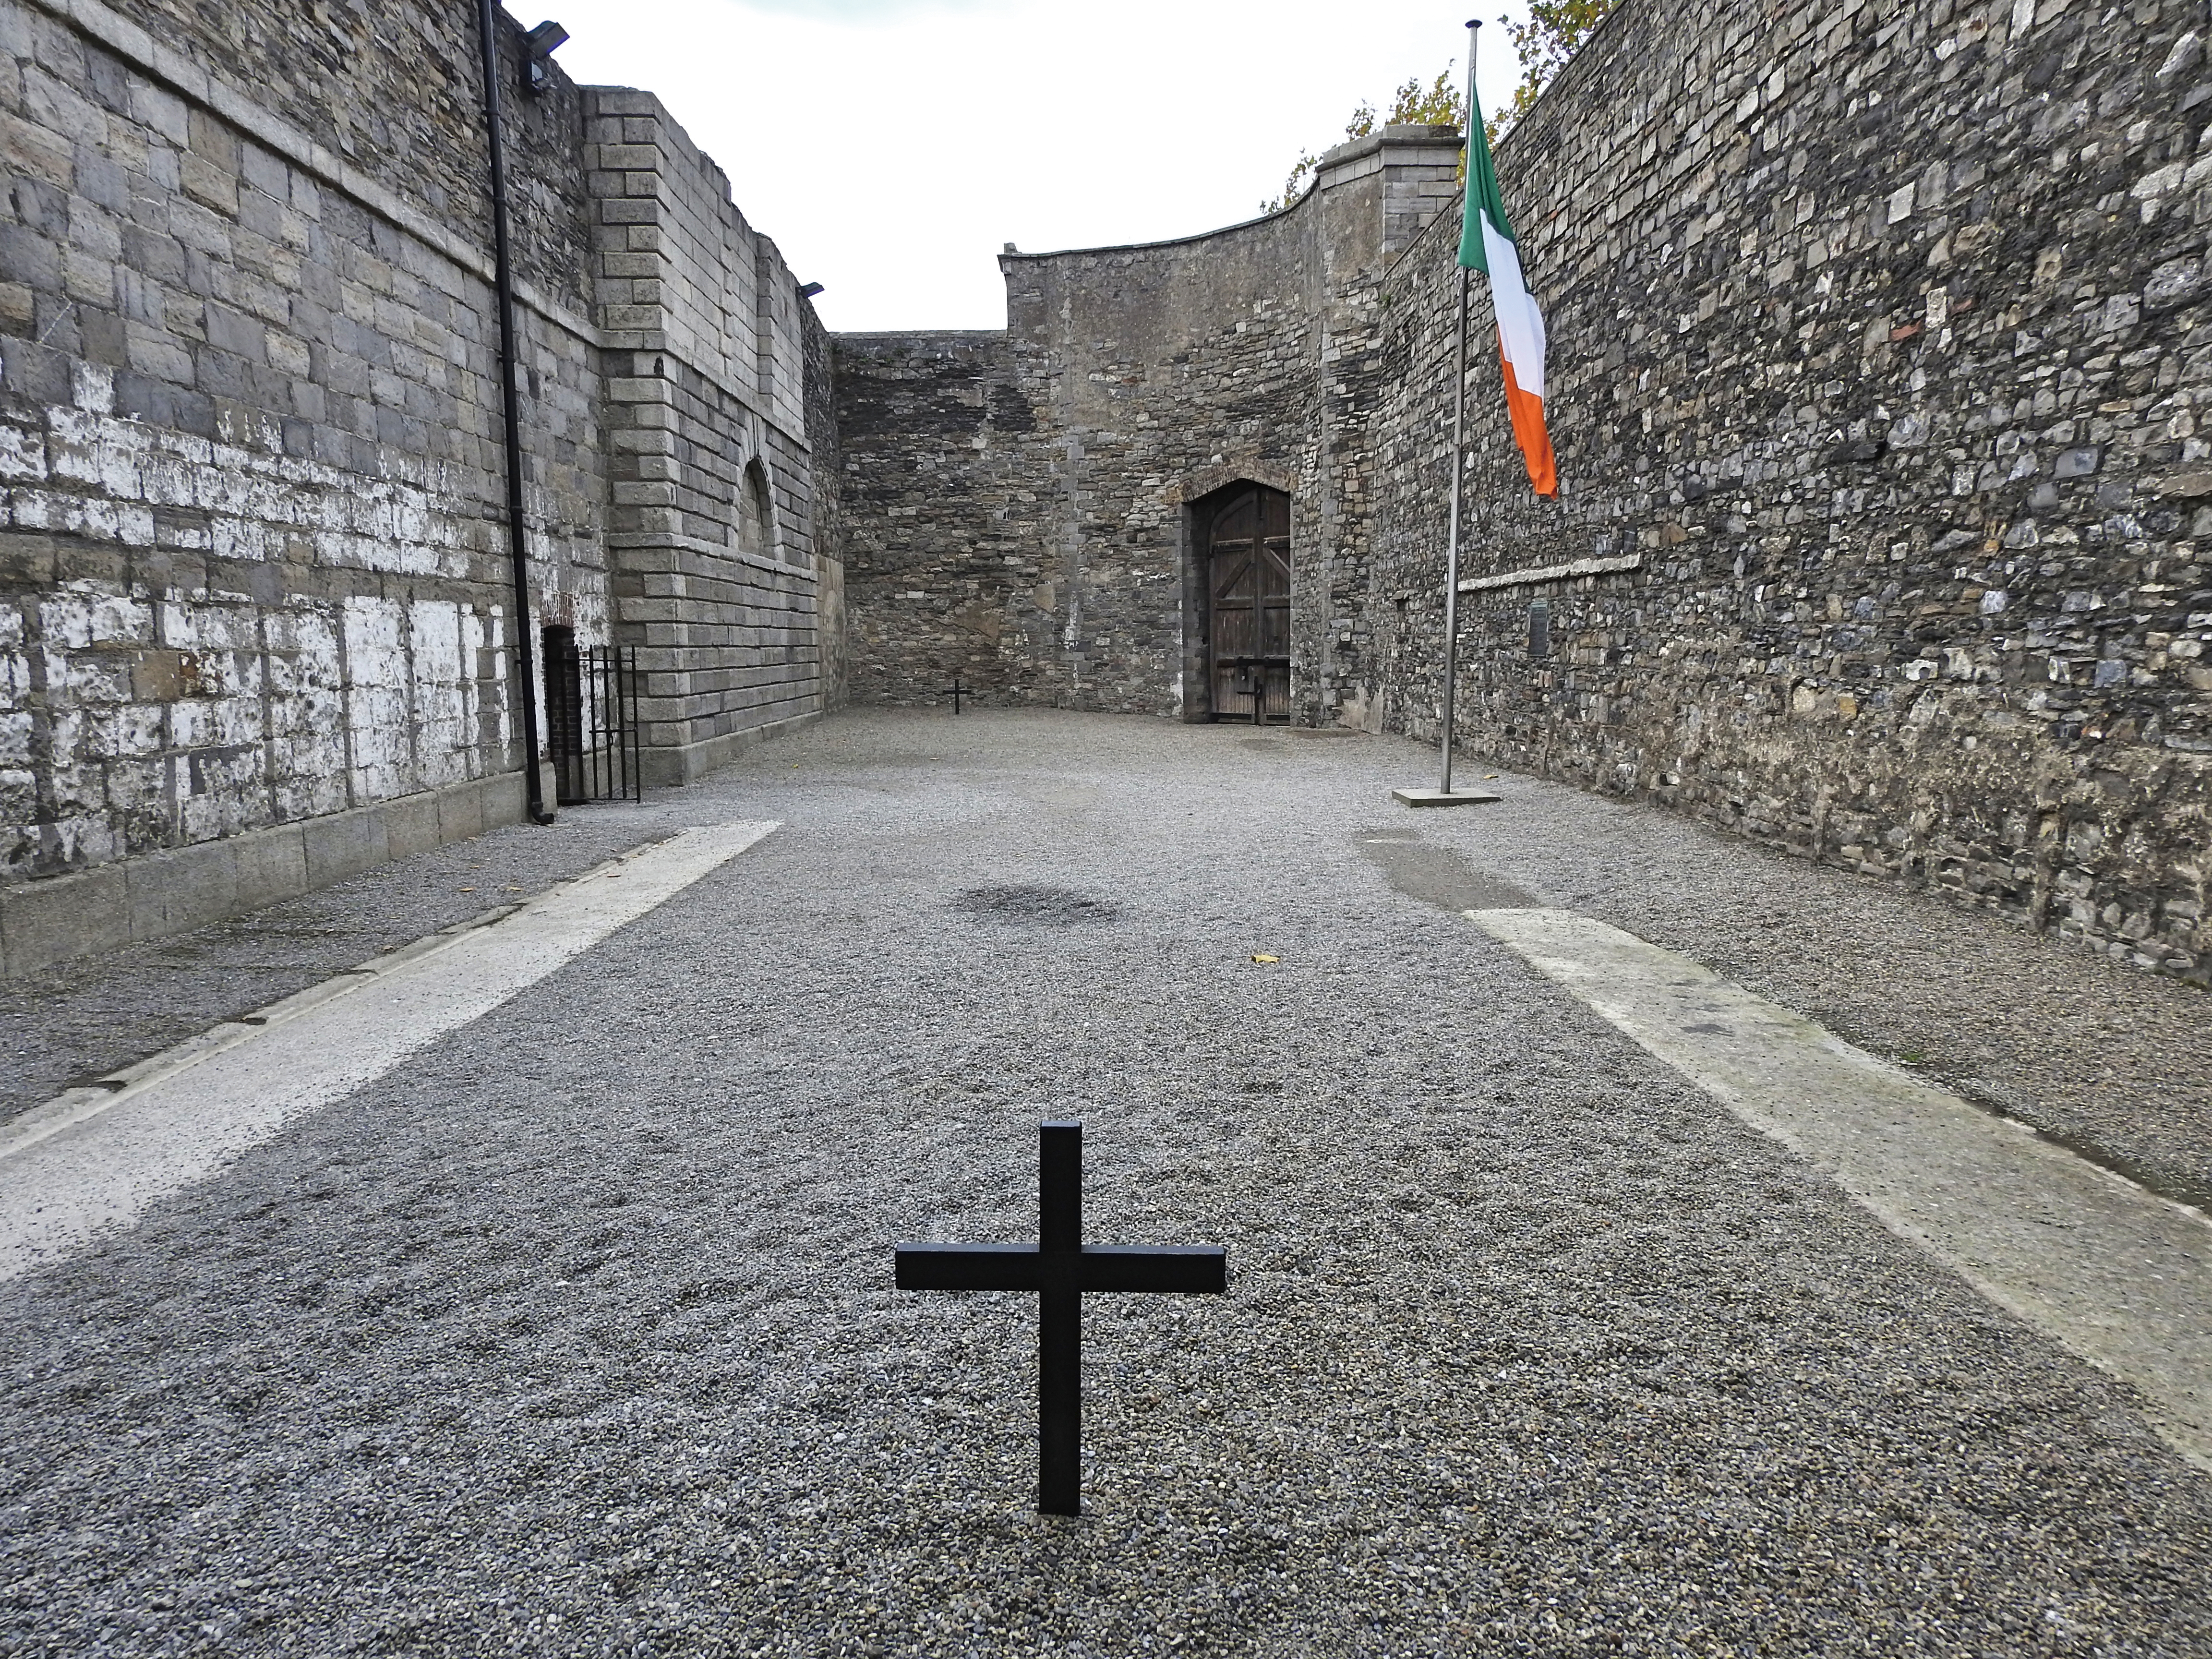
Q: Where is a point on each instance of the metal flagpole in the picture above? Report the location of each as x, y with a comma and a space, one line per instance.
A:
1446, 796
1458, 456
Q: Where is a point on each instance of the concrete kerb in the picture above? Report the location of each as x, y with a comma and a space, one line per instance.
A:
74, 1106
2118, 1274
169, 1136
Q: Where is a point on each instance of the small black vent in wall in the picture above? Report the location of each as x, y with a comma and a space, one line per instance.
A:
1540, 627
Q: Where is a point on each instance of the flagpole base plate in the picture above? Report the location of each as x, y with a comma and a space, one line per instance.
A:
1443, 797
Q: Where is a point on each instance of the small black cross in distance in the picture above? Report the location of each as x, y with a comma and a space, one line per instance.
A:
1059, 1267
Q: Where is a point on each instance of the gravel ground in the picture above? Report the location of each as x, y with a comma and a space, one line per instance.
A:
79, 1021
2098, 1056
576, 1333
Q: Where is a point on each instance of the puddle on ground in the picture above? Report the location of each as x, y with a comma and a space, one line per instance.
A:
1440, 875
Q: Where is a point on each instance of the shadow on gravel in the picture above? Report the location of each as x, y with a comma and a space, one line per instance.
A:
1052, 907
1440, 876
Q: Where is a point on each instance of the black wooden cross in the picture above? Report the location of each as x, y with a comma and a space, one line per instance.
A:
1059, 1267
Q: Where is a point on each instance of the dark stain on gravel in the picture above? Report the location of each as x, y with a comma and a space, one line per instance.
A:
1048, 906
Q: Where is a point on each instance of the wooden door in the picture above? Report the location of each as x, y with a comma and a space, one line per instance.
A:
1248, 565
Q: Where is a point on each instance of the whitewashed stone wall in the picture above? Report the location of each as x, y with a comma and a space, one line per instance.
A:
257, 620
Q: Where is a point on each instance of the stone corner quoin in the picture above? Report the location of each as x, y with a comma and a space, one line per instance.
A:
1872, 378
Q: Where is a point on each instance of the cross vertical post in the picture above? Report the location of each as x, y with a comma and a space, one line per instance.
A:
1059, 1267
1059, 1318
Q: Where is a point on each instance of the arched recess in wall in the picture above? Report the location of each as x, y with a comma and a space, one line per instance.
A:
1240, 555
755, 515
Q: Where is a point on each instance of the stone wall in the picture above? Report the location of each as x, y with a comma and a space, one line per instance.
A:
707, 341
1873, 378
256, 612
1017, 504
1886, 532
947, 538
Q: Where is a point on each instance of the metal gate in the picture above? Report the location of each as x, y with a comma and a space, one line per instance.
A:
591, 721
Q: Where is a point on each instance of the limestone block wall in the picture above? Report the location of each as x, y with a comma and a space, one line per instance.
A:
256, 612
1875, 367
252, 562
1016, 505
708, 340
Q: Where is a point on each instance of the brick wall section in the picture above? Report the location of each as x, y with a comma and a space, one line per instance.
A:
706, 340
1017, 504
1874, 350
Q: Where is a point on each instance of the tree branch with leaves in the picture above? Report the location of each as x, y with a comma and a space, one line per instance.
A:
1437, 103
1554, 29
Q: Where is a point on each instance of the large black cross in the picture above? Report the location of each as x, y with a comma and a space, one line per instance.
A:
1059, 1267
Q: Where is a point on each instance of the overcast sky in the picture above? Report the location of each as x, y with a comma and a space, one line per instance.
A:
891, 146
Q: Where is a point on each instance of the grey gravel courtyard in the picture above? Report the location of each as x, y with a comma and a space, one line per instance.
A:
576, 1333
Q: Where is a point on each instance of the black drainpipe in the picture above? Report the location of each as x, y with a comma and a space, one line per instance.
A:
516, 535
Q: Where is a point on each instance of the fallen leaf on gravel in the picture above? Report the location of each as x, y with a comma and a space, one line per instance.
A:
1263, 957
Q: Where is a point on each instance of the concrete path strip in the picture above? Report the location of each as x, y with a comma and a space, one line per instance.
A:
94, 1158
2120, 1275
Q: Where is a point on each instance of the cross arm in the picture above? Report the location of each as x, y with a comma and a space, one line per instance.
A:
1194, 1269
968, 1267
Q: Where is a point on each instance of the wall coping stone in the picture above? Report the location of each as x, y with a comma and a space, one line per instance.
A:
1332, 164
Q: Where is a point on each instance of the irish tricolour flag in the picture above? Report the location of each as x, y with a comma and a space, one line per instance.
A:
1485, 244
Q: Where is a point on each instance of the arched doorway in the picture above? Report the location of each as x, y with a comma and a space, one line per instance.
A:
1244, 531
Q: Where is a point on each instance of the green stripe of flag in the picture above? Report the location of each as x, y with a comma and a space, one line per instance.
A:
1482, 198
